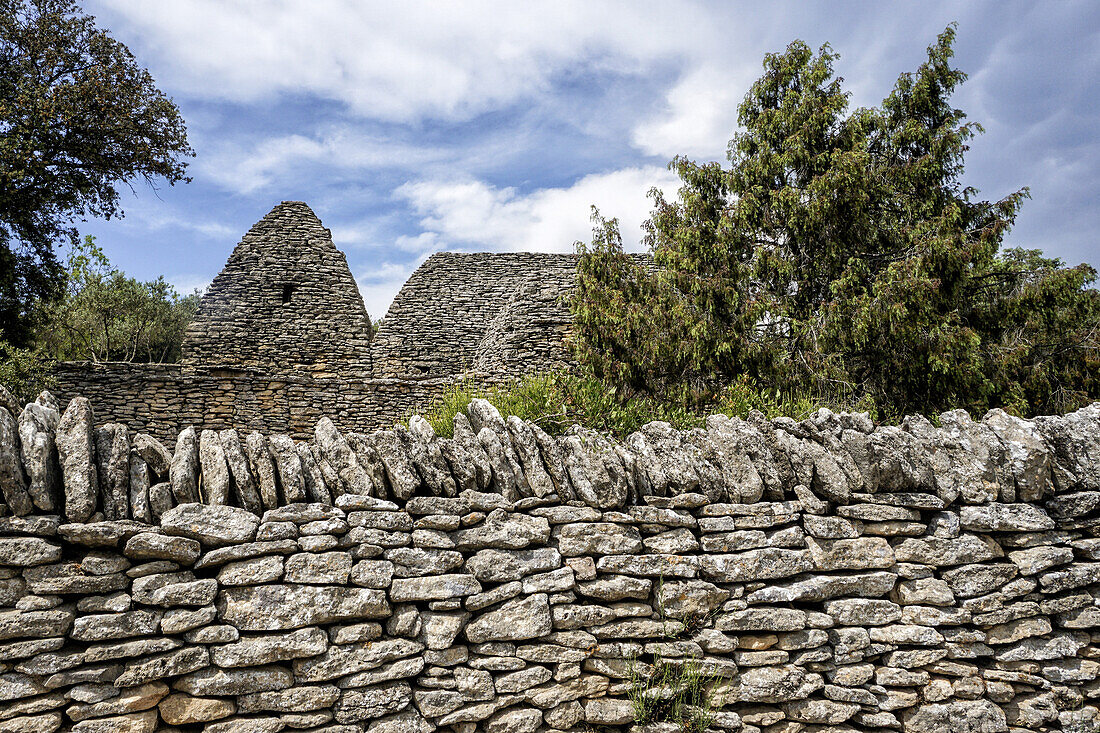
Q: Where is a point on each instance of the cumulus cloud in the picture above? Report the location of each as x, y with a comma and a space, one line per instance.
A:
248, 166
394, 61
473, 214
499, 123
699, 115
380, 284
187, 283
151, 214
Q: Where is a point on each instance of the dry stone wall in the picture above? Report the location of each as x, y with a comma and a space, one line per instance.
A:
163, 399
281, 338
823, 575
464, 311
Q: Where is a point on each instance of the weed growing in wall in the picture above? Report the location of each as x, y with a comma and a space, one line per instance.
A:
672, 691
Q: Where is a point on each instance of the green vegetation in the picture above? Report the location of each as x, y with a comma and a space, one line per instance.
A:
672, 691
838, 262
78, 117
556, 401
107, 316
102, 315
372, 327
839, 256
25, 372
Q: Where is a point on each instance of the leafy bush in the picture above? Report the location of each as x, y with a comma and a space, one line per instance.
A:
556, 401
105, 315
745, 395
25, 372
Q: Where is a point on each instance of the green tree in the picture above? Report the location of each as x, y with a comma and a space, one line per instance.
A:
107, 316
840, 252
78, 117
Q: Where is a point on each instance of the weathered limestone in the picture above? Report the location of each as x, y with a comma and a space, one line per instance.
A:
13, 482
263, 468
279, 607
353, 479
76, 449
214, 469
212, 525
112, 447
37, 424
184, 470
153, 452
864, 586
140, 508
289, 466
247, 494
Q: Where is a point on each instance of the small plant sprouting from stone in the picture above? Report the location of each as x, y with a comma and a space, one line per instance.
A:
672, 691
686, 626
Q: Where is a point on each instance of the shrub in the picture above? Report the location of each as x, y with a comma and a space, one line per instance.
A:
672, 691
840, 252
556, 401
25, 372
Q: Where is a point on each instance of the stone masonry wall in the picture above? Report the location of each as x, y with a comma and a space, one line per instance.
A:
823, 575
459, 308
252, 361
163, 399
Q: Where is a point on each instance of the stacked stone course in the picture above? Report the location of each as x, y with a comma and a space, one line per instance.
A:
489, 312
823, 575
285, 303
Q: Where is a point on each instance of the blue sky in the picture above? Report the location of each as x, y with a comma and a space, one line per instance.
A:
415, 127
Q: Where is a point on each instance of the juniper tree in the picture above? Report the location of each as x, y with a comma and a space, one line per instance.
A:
840, 251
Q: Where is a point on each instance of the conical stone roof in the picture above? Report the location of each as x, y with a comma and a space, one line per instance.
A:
285, 303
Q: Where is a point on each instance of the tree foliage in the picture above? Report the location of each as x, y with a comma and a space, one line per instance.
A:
106, 315
25, 372
78, 117
840, 250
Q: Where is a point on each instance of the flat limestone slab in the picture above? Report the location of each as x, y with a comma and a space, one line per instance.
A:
290, 606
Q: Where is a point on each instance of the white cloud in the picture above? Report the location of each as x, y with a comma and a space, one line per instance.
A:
157, 216
380, 284
250, 167
471, 213
333, 77
440, 60
185, 284
393, 61
699, 115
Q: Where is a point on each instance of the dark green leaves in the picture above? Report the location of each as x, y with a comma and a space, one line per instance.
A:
840, 253
78, 117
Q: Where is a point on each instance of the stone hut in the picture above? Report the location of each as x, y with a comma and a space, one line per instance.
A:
282, 338
284, 304
493, 313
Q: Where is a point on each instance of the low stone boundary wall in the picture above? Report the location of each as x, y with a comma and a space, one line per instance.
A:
782, 576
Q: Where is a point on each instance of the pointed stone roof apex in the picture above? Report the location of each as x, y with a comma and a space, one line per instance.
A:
299, 208
286, 219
